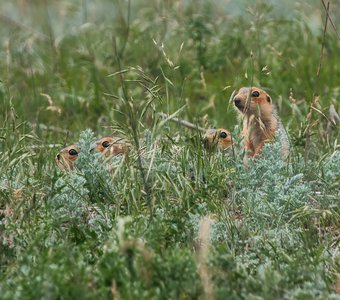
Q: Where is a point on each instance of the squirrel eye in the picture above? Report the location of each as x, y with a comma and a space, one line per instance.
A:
73, 152
106, 144
255, 94
223, 135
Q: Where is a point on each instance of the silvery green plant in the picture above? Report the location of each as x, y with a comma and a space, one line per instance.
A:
268, 189
86, 195
72, 197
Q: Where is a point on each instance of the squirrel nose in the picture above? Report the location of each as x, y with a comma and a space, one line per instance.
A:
237, 102
58, 157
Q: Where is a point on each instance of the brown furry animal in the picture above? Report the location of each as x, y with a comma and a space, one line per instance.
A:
261, 123
108, 146
112, 146
66, 157
213, 139
217, 138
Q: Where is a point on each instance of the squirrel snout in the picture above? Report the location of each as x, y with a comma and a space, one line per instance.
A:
58, 157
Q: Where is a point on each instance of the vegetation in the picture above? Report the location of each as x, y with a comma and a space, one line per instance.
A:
170, 221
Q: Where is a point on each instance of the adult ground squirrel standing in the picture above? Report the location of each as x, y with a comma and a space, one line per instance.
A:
261, 123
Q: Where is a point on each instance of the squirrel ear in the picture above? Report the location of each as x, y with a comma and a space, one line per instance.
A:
268, 98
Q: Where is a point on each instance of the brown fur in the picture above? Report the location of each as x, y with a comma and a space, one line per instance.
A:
260, 123
66, 157
218, 138
112, 146
108, 146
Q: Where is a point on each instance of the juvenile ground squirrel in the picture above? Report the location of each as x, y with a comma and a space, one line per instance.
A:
220, 139
108, 146
66, 157
217, 138
112, 146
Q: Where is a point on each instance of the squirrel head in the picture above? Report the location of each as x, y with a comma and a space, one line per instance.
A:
66, 157
111, 146
253, 101
219, 138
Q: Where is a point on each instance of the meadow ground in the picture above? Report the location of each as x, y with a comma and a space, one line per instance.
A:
171, 221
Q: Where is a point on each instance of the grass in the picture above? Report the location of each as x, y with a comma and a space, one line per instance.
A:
173, 221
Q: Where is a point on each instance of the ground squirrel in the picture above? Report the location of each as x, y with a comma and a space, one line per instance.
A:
112, 146
217, 138
108, 146
66, 157
261, 123
220, 139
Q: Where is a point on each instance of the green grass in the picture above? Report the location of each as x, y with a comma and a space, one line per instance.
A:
173, 221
